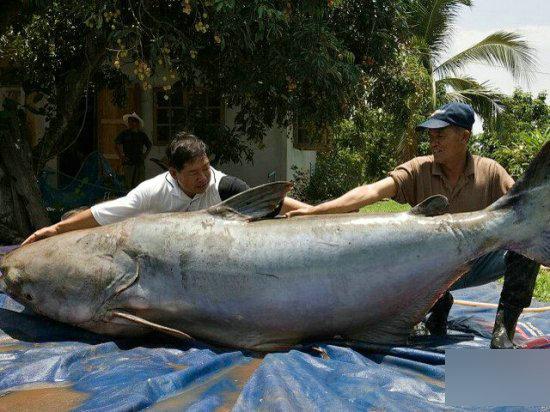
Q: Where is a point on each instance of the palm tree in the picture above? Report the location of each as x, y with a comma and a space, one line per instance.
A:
432, 23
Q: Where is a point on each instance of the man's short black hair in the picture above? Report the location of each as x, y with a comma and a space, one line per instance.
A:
185, 147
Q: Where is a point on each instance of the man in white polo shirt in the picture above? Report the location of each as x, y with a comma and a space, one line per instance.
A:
190, 184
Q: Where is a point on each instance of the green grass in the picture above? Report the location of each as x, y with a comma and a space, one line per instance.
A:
385, 206
542, 287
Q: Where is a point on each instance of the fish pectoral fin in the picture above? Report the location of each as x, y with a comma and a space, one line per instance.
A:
433, 206
140, 321
257, 203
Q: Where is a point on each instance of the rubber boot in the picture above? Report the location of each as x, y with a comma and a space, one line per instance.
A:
437, 322
505, 326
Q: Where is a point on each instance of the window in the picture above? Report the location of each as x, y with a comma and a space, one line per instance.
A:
173, 114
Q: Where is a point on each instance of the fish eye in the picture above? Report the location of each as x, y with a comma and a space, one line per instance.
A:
28, 297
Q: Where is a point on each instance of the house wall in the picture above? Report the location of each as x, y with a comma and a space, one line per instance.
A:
271, 162
301, 159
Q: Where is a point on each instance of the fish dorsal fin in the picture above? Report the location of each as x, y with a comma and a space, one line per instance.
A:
253, 204
433, 206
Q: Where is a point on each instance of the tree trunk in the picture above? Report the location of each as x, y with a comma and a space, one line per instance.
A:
21, 208
69, 91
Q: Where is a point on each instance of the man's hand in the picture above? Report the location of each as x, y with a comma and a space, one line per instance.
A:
353, 200
81, 220
300, 212
41, 234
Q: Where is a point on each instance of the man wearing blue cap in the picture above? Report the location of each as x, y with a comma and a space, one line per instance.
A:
470, 183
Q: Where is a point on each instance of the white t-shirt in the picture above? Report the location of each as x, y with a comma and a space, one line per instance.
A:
157, 195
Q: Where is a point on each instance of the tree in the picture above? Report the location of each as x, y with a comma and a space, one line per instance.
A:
432, 23
363, 147
20, 205
518, 134
54, 61
276, 61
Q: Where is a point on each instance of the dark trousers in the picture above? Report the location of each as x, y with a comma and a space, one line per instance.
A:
134, 174
520, 275
519, 281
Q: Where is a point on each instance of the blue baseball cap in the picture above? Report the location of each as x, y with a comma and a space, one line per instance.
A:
456, 114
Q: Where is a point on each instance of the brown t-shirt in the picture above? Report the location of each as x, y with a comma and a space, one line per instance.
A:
483, 182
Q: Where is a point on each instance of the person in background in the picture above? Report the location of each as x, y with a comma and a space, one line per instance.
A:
132, 148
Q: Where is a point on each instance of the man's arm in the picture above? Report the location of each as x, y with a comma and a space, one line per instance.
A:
148, 145
136, 202
82, 220
119, 152
147, 151
352, 200
292, 204
501, 182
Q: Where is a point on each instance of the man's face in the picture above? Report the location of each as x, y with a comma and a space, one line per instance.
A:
194, 177
133, 123
448, 142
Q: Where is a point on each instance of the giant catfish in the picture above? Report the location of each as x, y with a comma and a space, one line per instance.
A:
227, 276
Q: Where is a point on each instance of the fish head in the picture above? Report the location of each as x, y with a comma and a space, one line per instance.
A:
61, 281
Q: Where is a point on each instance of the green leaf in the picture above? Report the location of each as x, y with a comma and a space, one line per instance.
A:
482, 96
261, 11
505, 49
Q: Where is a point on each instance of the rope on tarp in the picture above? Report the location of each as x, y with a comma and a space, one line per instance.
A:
494, 305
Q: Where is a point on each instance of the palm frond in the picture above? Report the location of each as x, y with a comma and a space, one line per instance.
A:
506, 49
484, 98
433, 21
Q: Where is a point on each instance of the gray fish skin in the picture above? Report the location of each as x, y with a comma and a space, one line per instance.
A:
269, 284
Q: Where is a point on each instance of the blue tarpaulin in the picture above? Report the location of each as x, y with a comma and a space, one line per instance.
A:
96, 181
46, 364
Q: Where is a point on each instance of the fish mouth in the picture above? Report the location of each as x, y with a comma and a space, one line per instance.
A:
3, 267
4, 270
3, 286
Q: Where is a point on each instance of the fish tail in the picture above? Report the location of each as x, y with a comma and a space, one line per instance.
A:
528, 203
